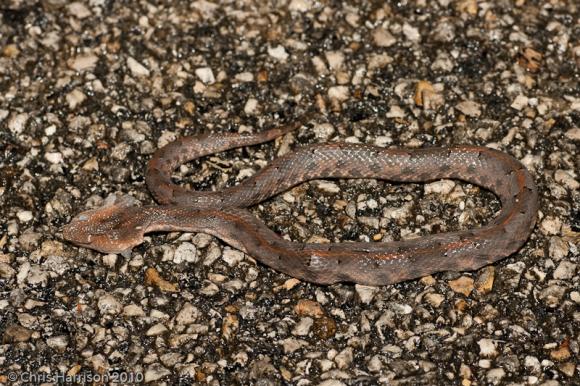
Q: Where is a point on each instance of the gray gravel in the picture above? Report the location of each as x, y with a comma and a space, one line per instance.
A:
90, 89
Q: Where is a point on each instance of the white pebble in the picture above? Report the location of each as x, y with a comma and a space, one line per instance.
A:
84, 62
372, 222
110, 260
396, 213
187, 315
443, 62
383, 140
434, 299
278, 52
245, 173
201, 240
339, 93
303, 326
79, 10
411, 33
155, 372
379, 61
137, 68
165, 138
108, 304
6, 272
17, 123
344, 359
50, 130
365, 293
396, 112
331, 382
288, 197
374, 364
567, 178
335, 59
469, 108
24, 215
251, 106
441, 187
300, 5
494, 376
205, 74
210, 289
484, 363
565, 270
520, 102
532, 364
323, 131
383, 38
185, 252
234, 286
551, 225
487, 347
326, 186
292, 344
552, 295
213, 253
573, 134
244, 77
75, 98
133, 310
232, 257
59, 343
401, 309
557, 248
53, 158
319, 65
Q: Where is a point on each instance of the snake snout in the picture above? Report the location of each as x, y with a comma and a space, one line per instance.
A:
72, 233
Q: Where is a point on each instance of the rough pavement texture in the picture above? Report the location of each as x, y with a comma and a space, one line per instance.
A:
89, 89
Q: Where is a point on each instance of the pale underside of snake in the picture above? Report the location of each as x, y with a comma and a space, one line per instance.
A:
120, 225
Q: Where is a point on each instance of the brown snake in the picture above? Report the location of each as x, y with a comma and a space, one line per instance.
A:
121, 225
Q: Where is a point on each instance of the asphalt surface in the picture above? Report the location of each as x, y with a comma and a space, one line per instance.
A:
90, 89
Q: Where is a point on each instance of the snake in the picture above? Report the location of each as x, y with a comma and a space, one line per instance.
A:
121, 223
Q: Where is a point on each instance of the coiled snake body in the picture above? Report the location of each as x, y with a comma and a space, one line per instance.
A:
120, 225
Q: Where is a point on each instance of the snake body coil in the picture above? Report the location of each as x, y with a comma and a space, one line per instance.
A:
121, 225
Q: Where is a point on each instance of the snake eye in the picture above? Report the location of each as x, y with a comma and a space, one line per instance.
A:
82, 217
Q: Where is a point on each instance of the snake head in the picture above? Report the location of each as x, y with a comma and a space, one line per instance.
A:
116, 227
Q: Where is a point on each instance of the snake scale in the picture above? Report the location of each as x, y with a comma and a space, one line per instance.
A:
121, 224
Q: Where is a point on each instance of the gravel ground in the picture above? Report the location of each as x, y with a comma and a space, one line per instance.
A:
90, 89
